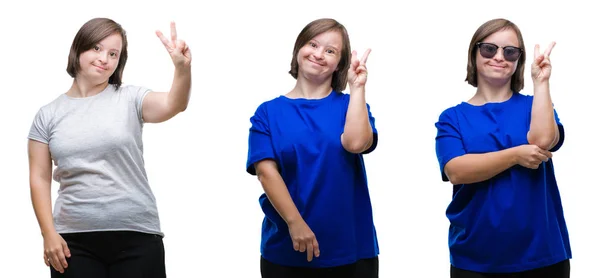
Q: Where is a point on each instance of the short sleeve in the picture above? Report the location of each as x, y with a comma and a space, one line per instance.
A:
448, 142
375, 136
260, 146
39, 128
137, 95
561, 132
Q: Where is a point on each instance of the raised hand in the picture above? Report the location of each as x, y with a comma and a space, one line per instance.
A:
541, 67
178, 49
357, 73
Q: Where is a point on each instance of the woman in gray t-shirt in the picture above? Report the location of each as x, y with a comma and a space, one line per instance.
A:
105, 221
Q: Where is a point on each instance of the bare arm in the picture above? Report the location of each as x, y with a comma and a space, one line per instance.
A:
277, 191
40, 178
543, 130
162, 106
358, 133
472, 168
303, 238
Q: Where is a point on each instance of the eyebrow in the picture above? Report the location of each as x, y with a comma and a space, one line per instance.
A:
109, 49
337, 49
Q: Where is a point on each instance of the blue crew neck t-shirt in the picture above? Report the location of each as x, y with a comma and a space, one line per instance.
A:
514, 221
327, 183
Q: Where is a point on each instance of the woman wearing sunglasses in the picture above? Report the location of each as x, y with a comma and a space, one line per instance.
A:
506, 216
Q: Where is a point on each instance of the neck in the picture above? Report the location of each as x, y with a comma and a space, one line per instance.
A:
310, 89
489, 92
82, 88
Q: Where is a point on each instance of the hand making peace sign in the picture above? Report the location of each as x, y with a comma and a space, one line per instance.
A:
357, 73
178, 49
541, 67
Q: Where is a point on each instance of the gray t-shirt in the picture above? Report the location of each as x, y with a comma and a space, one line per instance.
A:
96, 145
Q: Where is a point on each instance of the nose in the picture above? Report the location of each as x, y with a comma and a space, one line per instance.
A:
499, 56
103, 57
319, 53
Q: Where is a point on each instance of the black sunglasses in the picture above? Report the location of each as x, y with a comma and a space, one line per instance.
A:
488, 50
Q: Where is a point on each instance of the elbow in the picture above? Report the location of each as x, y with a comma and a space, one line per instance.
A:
183, 108
542, 141
454, 178
357, 145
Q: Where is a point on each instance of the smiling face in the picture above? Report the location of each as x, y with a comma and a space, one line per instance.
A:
99, 63
322, 49
99, 52
497, 69
319, 58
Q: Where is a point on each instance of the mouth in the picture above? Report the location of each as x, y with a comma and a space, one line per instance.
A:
314, 62
496, 66
102, 68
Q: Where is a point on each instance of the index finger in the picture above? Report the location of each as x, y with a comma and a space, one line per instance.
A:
309, 251
162, 38
316, 248
549, 49
365, 56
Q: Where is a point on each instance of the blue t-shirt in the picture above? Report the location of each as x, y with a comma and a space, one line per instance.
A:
327, 183
514, 221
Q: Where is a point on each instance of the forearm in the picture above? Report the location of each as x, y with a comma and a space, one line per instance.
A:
42, 206
179, 95
279, 196
543, 131
358, 133
472, 168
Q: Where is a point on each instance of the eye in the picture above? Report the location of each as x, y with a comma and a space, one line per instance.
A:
96, 47
113, 54
489, 47
330, 51
510, 51
312, 44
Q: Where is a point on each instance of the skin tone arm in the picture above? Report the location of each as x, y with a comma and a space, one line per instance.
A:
40, 175
358, 133
162, 106
543, 130
302, 236
472, 168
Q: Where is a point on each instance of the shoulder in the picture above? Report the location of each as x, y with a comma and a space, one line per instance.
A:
51, 107
131, 89
520, 98
450, 114
270, 104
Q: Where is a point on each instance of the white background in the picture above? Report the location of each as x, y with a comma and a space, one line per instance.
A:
241, 54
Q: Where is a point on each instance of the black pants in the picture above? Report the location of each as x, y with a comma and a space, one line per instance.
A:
559, 270
367, 268
113, 255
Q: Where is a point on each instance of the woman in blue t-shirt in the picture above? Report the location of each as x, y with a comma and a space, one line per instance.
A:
306, 148
506, 216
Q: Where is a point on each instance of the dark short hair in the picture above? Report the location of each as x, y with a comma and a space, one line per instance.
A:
488, 28
340, 76
90, 34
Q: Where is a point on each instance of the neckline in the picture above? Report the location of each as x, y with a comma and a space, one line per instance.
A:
107, 88
310, 100
512, 96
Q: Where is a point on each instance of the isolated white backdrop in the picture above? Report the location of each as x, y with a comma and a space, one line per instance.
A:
241, 54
